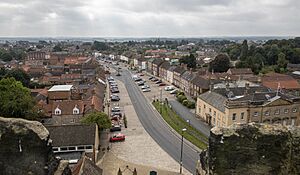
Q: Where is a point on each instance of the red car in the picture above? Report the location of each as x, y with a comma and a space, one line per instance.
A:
162, 84
117, 138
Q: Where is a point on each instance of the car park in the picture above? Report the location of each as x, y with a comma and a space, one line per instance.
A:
146, 90
154, 79
117, 138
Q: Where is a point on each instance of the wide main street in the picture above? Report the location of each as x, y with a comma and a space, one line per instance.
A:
156, 126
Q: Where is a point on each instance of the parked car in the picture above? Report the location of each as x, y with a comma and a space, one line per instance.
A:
154, 79
162, 84
116, 114
173, 91
169, 88
145, 86
115, 98
141, 75
115, 90
117, 138
158, 82
146, 90
116, 109
141, 83
150, 78
115, 128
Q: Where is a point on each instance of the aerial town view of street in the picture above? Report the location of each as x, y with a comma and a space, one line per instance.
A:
140, 87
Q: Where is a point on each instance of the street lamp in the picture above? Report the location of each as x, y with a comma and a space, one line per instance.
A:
160, 103
189, 122
181, 150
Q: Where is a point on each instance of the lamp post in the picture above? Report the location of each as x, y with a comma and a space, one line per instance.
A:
160, 103
181, 150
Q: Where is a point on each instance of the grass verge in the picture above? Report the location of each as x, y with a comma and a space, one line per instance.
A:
177, 123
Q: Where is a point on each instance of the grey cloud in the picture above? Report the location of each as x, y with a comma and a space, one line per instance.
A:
148, 17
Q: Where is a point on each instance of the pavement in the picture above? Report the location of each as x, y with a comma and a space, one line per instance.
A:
139, 148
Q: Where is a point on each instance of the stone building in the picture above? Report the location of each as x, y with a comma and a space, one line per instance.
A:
226, 106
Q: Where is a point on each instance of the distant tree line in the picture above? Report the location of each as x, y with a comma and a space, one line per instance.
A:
10, 54
274, 55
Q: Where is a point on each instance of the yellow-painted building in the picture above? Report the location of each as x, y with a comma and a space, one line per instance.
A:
223, 107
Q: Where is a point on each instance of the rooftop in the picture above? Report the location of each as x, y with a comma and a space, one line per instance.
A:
60, 88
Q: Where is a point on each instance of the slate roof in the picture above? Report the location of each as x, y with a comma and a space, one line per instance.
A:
240, 71
72, 135
171, 68
188, 76
238, 91
179, 70
201, 82
214, 99
157, 61
165, 65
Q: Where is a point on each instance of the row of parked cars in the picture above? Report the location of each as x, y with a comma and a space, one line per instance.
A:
116, 114
140, 82
113, 85
157, 81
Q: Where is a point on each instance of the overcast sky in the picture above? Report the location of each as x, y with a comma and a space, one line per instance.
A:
155, 18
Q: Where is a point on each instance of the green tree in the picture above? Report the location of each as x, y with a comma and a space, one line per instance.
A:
244, 50
234, 53
190, 61
16, 100
272, 55
57, 48
19, 75
5, 56
100, 118
281, 63
220, 64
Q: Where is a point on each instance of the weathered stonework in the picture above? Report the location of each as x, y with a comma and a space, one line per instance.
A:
25, 148
255, 149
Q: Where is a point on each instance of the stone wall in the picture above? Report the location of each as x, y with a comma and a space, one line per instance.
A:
255, 149
25, 149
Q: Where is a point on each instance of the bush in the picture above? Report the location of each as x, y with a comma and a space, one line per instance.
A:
185, 102
181, 98
191, 105
179, 93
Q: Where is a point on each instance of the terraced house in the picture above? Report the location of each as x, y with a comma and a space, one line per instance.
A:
225, 106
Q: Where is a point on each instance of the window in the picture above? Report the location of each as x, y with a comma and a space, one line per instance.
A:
63, 148
294, 110
286, 111
267, 113
277, 112
204, 106
233, 116
255, 114
55, 149
72, 120
72, 148
88, 147
214, 113
80, 147
242, 115
209, 110
75, 111
57, 111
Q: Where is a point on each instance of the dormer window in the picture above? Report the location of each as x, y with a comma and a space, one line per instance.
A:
75, 110
57, 111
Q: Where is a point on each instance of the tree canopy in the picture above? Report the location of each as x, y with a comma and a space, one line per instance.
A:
100, 118
18, 74
190, 61
16, 100
220, 64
